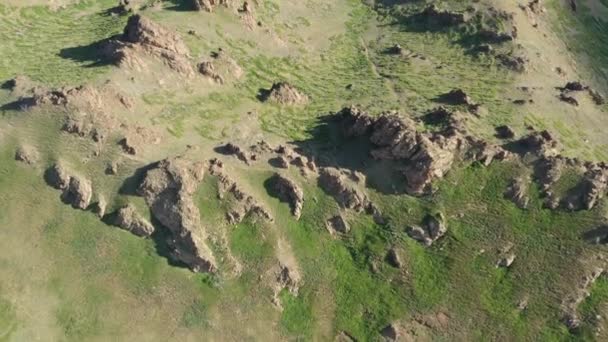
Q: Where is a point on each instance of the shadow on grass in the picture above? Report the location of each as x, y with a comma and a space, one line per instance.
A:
91, 54
181, 5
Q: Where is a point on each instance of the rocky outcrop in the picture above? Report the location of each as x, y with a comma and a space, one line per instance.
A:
517, 191
142, 36
27, 154
337, 224
76, 190
130, 220
590, 190
235, 150
210, 5
284, 93
245, 204
288, 191
168, 189
433, 227
393, 258
540, 143
427, 156
333, 182
581, 292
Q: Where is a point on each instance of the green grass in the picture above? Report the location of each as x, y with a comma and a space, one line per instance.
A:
55, 47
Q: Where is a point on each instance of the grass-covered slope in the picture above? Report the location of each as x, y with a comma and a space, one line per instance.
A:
69, 276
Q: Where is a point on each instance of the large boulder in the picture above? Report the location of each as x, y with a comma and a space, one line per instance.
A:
130, 220
168, 189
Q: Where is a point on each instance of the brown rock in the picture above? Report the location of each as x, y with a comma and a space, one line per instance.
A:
433, 227
130, 220
518, 192
27, 154
288, 191
333, 182
285, 94
338, 224
168, 189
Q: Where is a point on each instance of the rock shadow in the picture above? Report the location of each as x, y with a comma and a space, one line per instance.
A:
328, 147
91, 54
597, 235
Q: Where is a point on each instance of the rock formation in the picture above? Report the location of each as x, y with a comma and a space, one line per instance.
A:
284, 93
517, 192
245, 203
76, 190
143, 36
333, 182
168, 189
288, 191
130, 220
433, 227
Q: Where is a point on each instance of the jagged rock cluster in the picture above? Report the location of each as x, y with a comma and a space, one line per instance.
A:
129, 219
426, 156
245, 203
210, 5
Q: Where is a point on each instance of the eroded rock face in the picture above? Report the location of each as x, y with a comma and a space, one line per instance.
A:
168, 189
334, 183
130, 220
76, 190
289, 192
433, 227
245, 203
